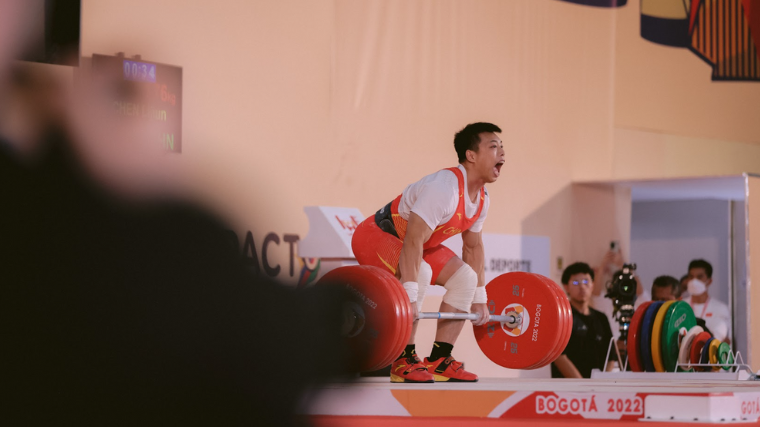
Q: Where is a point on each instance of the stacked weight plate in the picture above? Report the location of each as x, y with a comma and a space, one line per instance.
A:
663, 335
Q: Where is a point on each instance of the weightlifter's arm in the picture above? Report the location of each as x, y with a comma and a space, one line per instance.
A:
566, 367
473, 254
417, 233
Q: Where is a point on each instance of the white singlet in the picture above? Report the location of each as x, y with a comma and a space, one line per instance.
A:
435, 197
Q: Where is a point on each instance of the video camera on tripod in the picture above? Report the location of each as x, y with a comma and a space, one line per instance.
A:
622, 291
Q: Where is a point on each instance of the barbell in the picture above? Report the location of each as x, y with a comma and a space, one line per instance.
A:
529, 327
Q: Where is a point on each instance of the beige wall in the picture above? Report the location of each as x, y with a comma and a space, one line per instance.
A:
343, 103
291, 103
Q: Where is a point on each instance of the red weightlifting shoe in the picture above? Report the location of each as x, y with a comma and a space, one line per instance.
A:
448, 369
410, 370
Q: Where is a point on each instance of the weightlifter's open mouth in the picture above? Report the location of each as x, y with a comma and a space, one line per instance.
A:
497, 168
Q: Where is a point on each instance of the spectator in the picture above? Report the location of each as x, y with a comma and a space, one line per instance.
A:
665, 288
715, 313
590, 338
683, 286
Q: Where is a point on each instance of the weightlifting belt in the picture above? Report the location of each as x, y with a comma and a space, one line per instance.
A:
384, 220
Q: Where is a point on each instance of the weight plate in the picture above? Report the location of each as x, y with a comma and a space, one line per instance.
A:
657, 336
633, 345
646, 335
696, 349
685, 347
402, 299
374, 318
530, 342
550, 286
568, 321
560, 326
704, 357
679, 318
564, 307
712, 353
725, 357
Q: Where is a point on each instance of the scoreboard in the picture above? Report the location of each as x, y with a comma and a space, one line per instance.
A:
161, 88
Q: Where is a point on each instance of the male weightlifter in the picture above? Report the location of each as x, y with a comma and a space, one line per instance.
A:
405, 237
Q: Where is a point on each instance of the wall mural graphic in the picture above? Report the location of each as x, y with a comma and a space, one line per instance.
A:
723, 33
599, 3
717, 31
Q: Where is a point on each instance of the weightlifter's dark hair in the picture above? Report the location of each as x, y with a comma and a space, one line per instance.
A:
700, 263
469, 138
667, 282
576, 268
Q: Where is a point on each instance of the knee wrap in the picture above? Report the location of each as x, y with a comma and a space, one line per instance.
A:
460, 288
423, 281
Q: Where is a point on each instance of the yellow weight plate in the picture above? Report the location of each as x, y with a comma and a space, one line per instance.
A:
712, 353
659, 319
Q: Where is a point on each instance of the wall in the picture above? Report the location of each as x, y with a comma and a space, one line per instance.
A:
671, 119
753, 265
667, 235
740, 278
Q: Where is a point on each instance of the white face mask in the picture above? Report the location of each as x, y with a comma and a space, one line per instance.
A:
696, 287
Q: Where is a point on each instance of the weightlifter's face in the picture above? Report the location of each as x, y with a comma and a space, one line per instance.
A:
490, 156
579, 287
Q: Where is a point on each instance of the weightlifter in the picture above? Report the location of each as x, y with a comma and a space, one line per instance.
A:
405, 237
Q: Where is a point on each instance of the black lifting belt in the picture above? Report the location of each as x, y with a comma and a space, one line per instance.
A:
384, 220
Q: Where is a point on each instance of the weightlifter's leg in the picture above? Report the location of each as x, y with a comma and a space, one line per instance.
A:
460, 281
407, 367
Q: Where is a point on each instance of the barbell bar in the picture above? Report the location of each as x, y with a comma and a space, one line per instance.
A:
512, 319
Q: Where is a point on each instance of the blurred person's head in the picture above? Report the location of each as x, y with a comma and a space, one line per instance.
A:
665, 288
683, 285
578, 281
14, 29
700, 277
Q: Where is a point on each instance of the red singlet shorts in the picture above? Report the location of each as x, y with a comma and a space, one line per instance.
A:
373, 246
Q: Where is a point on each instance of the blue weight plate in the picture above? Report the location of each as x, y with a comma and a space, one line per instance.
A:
705, 357
646, 335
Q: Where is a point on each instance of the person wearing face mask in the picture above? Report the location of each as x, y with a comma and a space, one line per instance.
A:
714, 312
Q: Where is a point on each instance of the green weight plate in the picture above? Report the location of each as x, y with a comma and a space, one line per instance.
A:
679, 319
725, 357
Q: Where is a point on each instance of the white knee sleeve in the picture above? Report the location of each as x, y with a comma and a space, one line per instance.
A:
423, 281
460, 288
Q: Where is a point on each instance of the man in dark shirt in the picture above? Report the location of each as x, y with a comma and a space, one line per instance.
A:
590, 339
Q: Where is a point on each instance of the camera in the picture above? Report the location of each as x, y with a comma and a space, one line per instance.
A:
622, 291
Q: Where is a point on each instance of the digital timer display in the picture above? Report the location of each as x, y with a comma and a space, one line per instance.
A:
148, 92
139, 71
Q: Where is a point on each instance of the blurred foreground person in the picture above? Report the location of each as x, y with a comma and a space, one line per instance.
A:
115, 312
